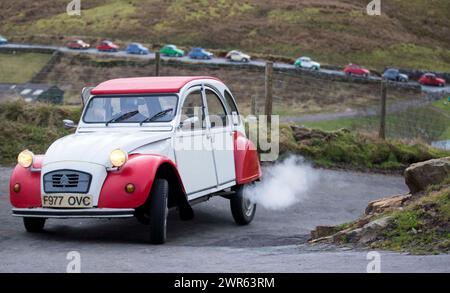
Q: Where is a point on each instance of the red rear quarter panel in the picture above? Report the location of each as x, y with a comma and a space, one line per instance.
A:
246, 159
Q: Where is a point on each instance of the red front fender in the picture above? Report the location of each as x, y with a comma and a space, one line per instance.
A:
140, 170
29, 195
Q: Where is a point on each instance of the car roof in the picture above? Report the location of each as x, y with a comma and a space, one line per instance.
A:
144, 85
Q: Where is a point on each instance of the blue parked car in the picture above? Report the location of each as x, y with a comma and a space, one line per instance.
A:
3, 40
200, 53
136, 48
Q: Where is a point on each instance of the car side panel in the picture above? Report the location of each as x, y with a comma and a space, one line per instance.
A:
29, 195
246, 159
139, 170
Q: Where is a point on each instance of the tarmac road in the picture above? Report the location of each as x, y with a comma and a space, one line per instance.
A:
214, 60
276, 241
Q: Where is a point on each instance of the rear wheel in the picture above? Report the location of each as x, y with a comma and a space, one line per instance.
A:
242, 209
158, 211
34, 225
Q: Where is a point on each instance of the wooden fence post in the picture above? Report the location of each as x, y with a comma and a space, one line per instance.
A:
268, 91
253, 110
382, 131
157, 62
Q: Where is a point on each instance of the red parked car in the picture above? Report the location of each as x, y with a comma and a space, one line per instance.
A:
78, 44
431, 79
107, 46
355, 69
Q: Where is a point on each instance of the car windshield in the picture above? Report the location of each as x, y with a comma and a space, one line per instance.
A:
130, 109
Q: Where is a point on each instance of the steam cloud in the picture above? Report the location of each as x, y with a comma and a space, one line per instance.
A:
283, 184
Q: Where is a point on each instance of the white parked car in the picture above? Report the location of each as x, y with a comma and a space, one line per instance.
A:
142, 146
237, 56
307, 63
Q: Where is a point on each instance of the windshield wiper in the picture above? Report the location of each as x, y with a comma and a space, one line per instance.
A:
157, 115
123, 117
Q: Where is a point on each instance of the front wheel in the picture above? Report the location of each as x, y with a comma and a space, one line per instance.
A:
242, 209
158, 211
34, 225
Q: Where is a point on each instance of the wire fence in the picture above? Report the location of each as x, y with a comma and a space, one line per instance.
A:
298, 96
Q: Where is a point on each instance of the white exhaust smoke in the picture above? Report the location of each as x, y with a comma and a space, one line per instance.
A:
283, 184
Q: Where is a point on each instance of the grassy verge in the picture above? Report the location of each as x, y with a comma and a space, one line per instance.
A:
33, 127
344, 148
20, 67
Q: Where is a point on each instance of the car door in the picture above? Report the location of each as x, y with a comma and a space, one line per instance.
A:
221, 131
192, 146
306, 63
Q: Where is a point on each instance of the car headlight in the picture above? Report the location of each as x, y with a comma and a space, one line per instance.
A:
25, 158
118, 158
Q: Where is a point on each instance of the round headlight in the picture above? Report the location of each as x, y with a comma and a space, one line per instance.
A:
118, 158
25, 158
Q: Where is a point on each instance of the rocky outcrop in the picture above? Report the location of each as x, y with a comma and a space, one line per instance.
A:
370, 227
420, 175
387, 203
360, 232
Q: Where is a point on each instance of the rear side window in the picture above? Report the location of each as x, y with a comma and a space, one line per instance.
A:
231, 104
216, 110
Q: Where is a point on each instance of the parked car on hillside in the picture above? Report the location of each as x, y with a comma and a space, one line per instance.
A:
431, 79
136, 48
355, 69
237, 56
395, 75
142, 146
3, 40
200, 53
307, 63
107, 46
171, 50
77, 45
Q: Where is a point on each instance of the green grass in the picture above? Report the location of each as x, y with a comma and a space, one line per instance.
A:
430, 123
344, 148
406, 55
117, 15
422, 228
20, 67
33, 127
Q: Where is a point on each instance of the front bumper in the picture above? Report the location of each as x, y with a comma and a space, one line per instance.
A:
73, 213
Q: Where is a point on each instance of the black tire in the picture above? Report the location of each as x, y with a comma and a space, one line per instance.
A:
242, 209
158, 211
245, 60
34, 225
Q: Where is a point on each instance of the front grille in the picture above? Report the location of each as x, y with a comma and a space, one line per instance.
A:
67, 181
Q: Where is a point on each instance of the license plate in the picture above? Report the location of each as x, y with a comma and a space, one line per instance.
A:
67, 201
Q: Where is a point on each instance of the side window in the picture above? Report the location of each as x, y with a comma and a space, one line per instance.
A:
193, 110
231, 105
216, 110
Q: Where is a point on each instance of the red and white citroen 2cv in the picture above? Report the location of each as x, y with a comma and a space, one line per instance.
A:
142, 146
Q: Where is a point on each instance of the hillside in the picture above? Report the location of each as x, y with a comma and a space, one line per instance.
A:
408, 34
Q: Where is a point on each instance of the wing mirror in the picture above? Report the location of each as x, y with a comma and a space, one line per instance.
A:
69, 124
